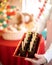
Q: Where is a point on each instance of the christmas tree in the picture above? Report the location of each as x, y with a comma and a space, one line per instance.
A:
6, 13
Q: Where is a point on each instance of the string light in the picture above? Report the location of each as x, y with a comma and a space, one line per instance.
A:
5, 0
2, 3
6, 11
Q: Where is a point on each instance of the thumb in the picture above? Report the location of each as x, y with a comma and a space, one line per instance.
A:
37, 56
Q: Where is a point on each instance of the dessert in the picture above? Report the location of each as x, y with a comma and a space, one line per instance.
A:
29, 45
25, 44
22, 50
33, 45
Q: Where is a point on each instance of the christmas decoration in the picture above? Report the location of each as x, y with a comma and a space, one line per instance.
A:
6, 12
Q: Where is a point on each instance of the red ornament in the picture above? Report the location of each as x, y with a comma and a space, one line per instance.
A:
7, 21
42, 9
8, 7
8, 13
11, 13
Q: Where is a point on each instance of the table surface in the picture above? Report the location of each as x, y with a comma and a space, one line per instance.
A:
12, 43
7, 48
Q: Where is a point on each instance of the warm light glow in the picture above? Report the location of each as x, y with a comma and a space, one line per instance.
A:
5, 0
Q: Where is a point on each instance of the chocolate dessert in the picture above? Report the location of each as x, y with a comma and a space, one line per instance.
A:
29, 45
25, 44
22, 52
33, 45
27, 40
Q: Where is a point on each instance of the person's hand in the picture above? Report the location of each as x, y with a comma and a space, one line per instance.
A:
40, 59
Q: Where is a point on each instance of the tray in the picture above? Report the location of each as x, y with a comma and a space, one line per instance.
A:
40, 47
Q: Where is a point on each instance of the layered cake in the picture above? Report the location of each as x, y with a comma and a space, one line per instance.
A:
33, 45
25, 44
29, 45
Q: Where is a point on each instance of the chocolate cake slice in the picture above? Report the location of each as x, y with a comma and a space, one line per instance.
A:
22, 52
29, 45
33, 46
27, 40
25, 45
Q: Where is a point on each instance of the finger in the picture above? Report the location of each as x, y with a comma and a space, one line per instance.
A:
28, 59
32, 60
38, 56
36, 62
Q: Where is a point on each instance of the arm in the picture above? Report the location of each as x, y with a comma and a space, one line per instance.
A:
48, 54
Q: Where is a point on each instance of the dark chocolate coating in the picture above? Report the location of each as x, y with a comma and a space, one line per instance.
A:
28, 42
31, 54
34, 48
22, 52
